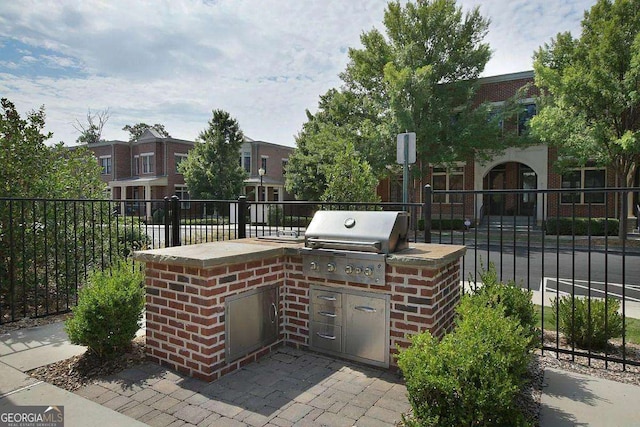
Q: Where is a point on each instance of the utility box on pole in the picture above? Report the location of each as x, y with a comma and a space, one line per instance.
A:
406, 153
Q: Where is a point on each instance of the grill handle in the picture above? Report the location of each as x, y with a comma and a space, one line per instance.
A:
347, 245
326, 336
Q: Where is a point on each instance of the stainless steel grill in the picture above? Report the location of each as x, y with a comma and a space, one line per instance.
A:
353, 245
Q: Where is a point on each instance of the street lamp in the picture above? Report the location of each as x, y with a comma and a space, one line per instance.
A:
261, 172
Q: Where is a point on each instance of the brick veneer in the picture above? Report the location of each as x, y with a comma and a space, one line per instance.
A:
185, 308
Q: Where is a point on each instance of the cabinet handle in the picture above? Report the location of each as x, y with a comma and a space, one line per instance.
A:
275, 313
326, 298
325, 336
326, 314
365, 309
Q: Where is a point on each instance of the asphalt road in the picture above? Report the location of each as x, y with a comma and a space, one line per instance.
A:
580, 272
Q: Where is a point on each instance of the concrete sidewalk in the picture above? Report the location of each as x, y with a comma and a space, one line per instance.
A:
288, 387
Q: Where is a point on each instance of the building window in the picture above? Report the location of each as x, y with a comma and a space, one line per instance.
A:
147, 163
180, 157
105, 164
587, 177
448, 180
263, 163
527, 112
136, 165
183, 194
285, 162
245, 161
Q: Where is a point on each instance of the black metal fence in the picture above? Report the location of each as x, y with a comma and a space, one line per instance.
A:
556, 243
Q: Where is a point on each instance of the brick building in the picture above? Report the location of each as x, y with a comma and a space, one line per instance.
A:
147, 169
515, 168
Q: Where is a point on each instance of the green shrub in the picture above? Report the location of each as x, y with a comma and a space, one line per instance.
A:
514, 301
472, 376
580, 226
444, 224
108, 311
158, 216
583, 330
275, 216
132, 236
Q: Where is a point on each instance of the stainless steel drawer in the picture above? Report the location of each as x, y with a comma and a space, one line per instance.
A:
326, 314
325, 337
326, 298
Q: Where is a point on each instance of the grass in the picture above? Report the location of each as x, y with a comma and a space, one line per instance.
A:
632, 325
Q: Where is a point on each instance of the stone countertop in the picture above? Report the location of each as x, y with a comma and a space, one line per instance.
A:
426, 255
212, 254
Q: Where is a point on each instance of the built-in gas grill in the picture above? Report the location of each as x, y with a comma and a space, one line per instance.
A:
352, 245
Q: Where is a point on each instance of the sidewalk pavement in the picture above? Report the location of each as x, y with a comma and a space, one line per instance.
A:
287, 388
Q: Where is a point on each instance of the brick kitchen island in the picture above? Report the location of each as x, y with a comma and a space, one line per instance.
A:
187, 287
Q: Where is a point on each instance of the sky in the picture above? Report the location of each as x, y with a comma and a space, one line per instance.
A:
174, 61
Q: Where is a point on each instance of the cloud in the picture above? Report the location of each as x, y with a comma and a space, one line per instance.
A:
173, 61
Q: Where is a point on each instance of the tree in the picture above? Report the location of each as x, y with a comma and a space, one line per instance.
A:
138, 129
350, 179
211, 170
420, 76
591, 86
91, 132
51, 233
23, 153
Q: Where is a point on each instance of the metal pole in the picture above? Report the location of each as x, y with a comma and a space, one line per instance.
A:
405, 171
175, 222
426, 213
167, 222
242, 221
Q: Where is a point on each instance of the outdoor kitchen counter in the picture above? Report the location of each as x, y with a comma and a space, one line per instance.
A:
193, 291
426, 255
212, 254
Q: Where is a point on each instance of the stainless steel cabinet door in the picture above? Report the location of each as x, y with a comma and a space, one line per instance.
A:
251, 321
365, 322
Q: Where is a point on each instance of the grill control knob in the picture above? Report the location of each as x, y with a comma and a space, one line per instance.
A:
358, 270
348, 269
331, 267
314, 266
368, 271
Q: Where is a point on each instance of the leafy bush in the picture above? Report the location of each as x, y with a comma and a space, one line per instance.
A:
132, 236
158, 216
471, 377
444, 224
514, 301
583, 330
108, 311
582, 226
275, 216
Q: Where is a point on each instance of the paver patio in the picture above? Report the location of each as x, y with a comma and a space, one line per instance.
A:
288, 387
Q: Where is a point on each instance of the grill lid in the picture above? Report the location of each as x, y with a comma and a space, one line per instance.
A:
364, 231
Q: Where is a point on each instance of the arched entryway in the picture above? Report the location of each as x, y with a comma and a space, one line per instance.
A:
510, 176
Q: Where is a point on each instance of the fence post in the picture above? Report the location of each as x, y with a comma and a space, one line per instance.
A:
175, 220
426, 213
242, 221
167, 222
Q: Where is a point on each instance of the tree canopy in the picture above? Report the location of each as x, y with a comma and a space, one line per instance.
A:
211, 170
91, 131
350, 178
138, 129
29, 168
591, 87
419, 76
